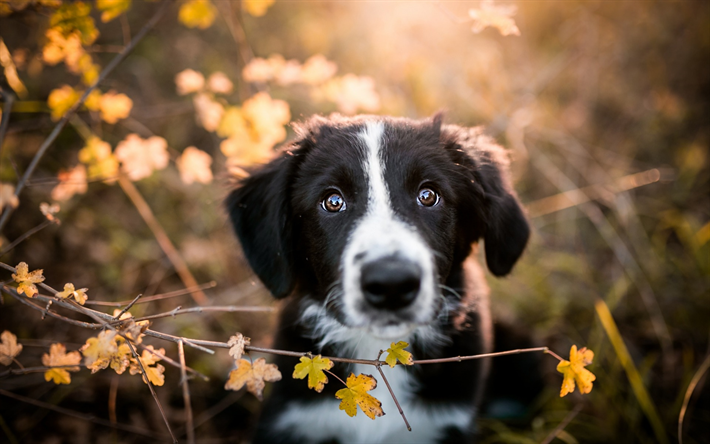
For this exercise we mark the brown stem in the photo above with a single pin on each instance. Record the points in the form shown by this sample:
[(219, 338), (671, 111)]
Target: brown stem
[(483, 355), (335, 376), (401, 412), (29, 233), (63, 121), (155, 297), (163, 240), (186, 396)]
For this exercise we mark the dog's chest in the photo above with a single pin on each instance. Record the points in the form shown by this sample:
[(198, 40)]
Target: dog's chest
[(323, 420)]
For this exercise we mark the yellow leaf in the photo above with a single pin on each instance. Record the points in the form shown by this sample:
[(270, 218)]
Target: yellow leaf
[(574, 371), (356, 395), (7, 196), (70, 183), (9, 348), (317, 69), (112, 8), (257, 8), (197, 14), (139, 157), (209, 111), (237, 344), (148, 359), (497, 16), (253, 376), (101, 162), (233, 122), (114, 107), (267, 117), (189, 81), (58, 356), (75, 16), (219, 83), (61, 99), (93, 101), (314, 369), (69, 290), (396, 353), (27, 280), (351, 93), (106, 349)]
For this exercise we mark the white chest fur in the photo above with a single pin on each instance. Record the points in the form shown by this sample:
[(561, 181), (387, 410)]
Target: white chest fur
[(324, 420)]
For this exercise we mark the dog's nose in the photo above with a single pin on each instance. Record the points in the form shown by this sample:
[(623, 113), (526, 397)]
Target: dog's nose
[(390, 283)]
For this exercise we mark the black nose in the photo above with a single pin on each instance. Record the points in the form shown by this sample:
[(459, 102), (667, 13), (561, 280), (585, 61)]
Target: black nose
[(390, 283)]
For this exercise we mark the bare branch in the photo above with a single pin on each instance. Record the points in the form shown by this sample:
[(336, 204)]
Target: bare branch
[(156, 297), (189, 423), (384, 378), (29, 233)]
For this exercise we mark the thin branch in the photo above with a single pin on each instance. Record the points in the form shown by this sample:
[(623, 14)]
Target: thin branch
[(128, 307), (174, 363), (83, 416), (62, 123), (401, 412), (9, 99), (483, 355), (29, 233), (224, 308), (156, 297), (163, 240), (28, 370), (189, 423), (561, 426), (689, 392)]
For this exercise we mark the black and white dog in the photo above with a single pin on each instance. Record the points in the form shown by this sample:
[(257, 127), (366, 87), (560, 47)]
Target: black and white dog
[(367, 224)]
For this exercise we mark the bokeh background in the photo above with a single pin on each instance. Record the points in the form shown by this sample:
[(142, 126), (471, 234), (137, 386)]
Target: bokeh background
[(604, 107)]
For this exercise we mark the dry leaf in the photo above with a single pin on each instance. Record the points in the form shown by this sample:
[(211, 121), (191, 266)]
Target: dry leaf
[(139, 157), (7, 196), (317, 378), (496, 16), (351, 93), (189, 81), (9, 348), (356, 395), (61, 99), (396, 353), (237, 344), (69, 291), (209, 111), (106, 349), (49, 211), (253, 376), (574, 371), (112, 8), (219, 83), (194, 166), (115, 107), (58, 356), (317, 69), (197, 14), (27, 280), (148, 359), (70, 183), (75, 17), (98, 157)]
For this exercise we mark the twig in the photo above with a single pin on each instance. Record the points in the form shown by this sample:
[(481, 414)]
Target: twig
[(83, 416), (163, 240), (224, 308), (156, 297), (335, 376), (483, 355), (29, 233), (128, 307), (28, 370), (63, 121), (9, 99), (384, 378), (561, 426), (174, 363), (689, 392), (152, 390), (186, 396)]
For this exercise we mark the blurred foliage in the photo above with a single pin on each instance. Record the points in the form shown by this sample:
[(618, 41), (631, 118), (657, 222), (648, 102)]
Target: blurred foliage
[(588, 93)]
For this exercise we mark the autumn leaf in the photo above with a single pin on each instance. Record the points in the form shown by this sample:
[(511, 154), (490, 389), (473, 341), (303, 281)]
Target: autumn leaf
[(71, 182), (496, 16), (61, 99), (314, 369), (107, 349), (27, 280), (219, 83), (9, 348), (236, 346), (396, 352), (97, 155), (267, 117), (209, 111), (574, 371), (69, 291), (75, 16), (197, 14), (350, 93), (257, 8), (253, 376), (317, 69), (114, 107), (112, 8), (139, 157), (49, 211), (356, 395), (7, 196), (189, 81), (58, 356), (153, 370)]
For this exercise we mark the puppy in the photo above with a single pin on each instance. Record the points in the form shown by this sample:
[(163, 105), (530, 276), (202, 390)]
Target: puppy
[(368, 226)]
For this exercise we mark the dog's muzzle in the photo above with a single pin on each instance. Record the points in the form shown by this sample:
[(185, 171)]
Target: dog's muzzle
[(390, 283)]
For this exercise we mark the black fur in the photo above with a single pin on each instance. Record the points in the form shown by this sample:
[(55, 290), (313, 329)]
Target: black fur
[(295, 247)]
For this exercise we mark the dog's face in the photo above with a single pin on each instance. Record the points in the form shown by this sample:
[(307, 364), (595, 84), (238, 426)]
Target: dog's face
[(371, 216)]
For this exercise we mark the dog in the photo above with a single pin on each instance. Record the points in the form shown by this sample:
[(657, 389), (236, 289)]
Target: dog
[(369, 227)]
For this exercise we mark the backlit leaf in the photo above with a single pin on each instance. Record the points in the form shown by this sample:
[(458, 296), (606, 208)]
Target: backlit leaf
[(496, 16), (71, 182), (396, 352), (313, 368), (9, 348), (114, 106), (112, 8), (140, 157), (69, 291), (197, 14), (574, 371), (253, 376), (257, 8), (58, 356), (75, 16), (356, 395), (27, 279), (237, 344)]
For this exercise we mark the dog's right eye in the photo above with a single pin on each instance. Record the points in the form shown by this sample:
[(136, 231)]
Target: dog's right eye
[(333, 203)]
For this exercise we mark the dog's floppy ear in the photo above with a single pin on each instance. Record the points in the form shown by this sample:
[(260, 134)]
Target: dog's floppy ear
[(260, 212), (493, 211)]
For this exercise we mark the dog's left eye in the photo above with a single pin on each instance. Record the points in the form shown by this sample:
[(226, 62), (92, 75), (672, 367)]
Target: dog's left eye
[(428, 197), (333, 203)]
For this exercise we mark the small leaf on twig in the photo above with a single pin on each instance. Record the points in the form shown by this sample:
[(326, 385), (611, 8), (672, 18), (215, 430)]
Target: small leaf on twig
[(237, 344), (27, 280), (253, 376), (106, 349), (9, 348), (356, 395), (314, 369), (58, 356), (574, 371), (69, 291), (396, 352), (155, 374)]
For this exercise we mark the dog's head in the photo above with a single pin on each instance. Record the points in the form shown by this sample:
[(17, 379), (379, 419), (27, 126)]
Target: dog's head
[(373, 215)]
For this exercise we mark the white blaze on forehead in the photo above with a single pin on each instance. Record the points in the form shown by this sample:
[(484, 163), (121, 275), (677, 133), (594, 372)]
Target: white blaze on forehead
[(378, 234)]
